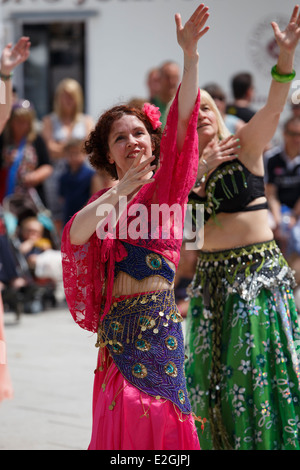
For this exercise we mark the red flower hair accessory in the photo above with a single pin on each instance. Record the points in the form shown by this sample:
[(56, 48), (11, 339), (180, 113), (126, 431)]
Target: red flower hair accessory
[(153, 114)]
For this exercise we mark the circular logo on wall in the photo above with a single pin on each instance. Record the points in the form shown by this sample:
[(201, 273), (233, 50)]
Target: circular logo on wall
[(262, 46)]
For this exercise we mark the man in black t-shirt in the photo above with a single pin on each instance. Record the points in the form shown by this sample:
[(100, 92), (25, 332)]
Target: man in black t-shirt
[(283, 192), (283, 171), (243, 91)]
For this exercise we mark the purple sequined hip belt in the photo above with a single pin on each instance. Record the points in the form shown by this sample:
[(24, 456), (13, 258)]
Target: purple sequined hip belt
[(144, 337)]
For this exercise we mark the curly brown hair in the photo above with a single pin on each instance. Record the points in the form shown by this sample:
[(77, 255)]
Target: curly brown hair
[(96, 146)]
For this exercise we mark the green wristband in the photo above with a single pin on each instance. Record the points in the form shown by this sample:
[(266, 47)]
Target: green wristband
[(282, 78), (4, 77)]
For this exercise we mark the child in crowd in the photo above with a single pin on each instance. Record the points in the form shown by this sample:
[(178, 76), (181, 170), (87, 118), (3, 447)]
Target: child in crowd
[(32, 239), (79, 181), (43, 261)]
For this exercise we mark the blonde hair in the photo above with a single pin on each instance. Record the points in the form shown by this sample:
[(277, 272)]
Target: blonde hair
[(72, 87), (223, 132), (25, 109)]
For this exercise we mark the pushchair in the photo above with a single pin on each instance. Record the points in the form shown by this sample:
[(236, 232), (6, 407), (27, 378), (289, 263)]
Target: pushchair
[(38, 291)]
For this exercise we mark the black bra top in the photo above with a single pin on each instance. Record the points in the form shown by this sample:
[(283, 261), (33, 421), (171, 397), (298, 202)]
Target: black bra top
[(230, 188)]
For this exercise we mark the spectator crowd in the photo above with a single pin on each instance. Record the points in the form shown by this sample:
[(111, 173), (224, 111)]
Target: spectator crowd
[(45, 173)]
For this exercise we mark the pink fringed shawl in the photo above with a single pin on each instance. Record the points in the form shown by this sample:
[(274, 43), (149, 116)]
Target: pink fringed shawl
[(88, 270)]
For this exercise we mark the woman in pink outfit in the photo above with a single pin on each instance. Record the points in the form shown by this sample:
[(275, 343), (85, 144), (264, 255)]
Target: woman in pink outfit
[(6, 390), (119, 282), (10, 58)]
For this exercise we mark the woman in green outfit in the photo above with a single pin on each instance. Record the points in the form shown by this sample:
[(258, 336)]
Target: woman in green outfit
[(242, 369)]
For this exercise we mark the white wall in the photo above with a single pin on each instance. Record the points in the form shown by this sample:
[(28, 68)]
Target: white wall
[(130, 37), (126, 38)]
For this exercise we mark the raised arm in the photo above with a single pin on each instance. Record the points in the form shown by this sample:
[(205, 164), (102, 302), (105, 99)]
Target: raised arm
[(89, 218), (10, 58), (264, 123), (188, 37)]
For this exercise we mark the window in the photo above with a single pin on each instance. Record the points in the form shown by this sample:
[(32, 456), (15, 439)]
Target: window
[(57, 52)]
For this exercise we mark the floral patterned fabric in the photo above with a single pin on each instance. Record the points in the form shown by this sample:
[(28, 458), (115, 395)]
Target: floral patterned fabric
[(243, 344)]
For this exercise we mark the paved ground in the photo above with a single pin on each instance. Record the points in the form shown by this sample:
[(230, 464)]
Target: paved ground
[(51, 362)]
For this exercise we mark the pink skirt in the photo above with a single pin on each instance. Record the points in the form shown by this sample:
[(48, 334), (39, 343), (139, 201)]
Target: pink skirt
[(6, 390), (125, 418)]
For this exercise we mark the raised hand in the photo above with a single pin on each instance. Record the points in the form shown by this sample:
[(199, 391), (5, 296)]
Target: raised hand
[(189, 34), (139, 174), (13, 56), (289, 38), (217, 152), (188, 37)]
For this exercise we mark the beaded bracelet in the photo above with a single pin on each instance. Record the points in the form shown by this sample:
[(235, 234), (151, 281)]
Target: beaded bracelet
[(282, 78), (5, 77), (207, 170), (205, 163)]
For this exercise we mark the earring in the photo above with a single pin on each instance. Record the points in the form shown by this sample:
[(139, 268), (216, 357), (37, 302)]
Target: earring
[(110, 160)]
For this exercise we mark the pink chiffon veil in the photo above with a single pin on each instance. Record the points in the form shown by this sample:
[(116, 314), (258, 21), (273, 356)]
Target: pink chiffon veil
[(88, 269), (6, 389)]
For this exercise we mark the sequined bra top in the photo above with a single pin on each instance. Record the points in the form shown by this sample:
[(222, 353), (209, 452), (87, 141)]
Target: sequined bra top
[(141, 263), (230, 188)]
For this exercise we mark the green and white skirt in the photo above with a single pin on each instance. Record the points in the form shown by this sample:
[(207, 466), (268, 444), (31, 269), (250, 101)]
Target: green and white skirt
[(242, 347)]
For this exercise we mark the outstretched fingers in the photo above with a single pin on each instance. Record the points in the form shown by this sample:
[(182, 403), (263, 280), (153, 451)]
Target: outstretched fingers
[(142, 175), (178, 21), (137, 161), (276, 28), (22, 46), (230, 142), (141, 169), (12, 56), (199, 19), (198, 13), (231, 146), (295, 18), (194, 28)]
